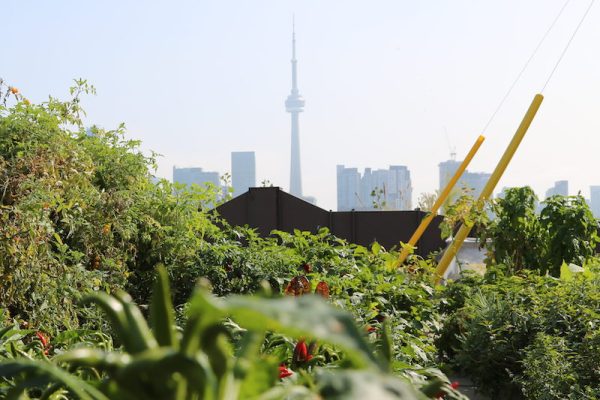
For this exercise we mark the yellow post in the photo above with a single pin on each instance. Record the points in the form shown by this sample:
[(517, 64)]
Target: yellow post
[(464, 230), (439, 202)]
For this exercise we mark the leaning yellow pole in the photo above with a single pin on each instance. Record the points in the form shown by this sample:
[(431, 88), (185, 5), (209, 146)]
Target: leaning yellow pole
[(439, 201), (464, 230)]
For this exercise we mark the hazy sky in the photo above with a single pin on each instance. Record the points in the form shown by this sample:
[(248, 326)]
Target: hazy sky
[(383, 82)]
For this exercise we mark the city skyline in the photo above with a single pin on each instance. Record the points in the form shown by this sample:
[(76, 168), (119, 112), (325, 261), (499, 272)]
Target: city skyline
[(385, 83), (379, 189)]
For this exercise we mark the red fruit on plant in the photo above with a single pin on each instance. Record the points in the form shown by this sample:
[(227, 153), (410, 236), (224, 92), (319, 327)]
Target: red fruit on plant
[(301, 353), (284, 372), (298, 286), (307, 268), (44, 340), (322, 290)]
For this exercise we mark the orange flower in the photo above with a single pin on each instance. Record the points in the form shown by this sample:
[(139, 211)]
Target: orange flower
[(106, 229), (14, 90)]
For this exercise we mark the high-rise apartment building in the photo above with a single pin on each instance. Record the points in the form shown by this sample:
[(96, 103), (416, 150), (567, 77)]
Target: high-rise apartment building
[(595, 200), (473, 181), (389, 189), (559, 188), (196, 176), (348, 188), (243, 171), (447, 170)]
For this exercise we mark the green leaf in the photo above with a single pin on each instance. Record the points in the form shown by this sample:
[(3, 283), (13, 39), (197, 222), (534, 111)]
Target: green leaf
[(162, 316), (115, 311), (201, 314), (565, 272), (308, 316), (140, 336), (376, 248), (33, 370), (95, 359)]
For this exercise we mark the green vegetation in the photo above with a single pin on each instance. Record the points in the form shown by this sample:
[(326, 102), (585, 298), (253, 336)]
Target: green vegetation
[(215, 311), (199, 362), (565, 231), (527, 333)]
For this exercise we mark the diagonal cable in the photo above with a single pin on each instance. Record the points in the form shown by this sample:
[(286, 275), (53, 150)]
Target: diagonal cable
[(587, 11), (512, 86)]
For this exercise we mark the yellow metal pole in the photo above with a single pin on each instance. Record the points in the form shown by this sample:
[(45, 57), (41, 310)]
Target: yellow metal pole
[(464, 230), (439, 201)]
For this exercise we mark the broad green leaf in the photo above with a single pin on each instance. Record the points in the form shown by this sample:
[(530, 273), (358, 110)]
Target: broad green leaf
[(303, 316), (140, 336), (34, 369), (565, 272), (162, 316)]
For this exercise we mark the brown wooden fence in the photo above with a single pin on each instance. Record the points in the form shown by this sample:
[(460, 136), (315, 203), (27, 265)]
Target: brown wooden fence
[(271, 208)]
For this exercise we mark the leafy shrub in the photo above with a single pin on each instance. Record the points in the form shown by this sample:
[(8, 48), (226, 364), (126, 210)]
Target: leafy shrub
[(565, 231), (503, 315), (548, 372), (78, 213), (518, 239), (572, 231)]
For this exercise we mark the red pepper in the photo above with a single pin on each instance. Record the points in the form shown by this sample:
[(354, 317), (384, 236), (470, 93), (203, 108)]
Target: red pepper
[(441, 395), (301, 353), (44, 340), (307, 268), (284, 372)]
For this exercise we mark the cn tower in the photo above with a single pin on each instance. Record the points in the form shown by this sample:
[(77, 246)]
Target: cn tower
[(294, 104)]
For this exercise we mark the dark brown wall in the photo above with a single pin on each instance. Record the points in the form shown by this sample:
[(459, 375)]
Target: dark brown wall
[(270, 208)]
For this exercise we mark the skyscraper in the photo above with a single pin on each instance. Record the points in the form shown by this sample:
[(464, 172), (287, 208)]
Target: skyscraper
[(390, 189), (474, 181), (195, 175), (243, 171), (595, 200), (447, 170), (294, 104), (559, 188), (348, 188)]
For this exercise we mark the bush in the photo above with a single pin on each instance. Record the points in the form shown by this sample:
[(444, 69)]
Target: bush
[(506, 322), (518, 239), (572, 231), (78, 213), (565, 231)]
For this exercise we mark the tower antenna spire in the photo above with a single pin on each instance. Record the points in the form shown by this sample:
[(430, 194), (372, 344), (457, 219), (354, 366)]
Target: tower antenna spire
[(294, 104)]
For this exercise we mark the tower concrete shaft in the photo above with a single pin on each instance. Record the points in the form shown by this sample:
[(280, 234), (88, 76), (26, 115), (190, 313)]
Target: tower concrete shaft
[(294, 104)]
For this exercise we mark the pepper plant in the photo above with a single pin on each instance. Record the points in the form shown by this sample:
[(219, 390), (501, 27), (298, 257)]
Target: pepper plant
[(159, 361)]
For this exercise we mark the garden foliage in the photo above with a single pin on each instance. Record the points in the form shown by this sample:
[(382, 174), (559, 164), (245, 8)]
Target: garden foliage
[(527, 335), (518, 237), (81, 214), (82, 220)]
